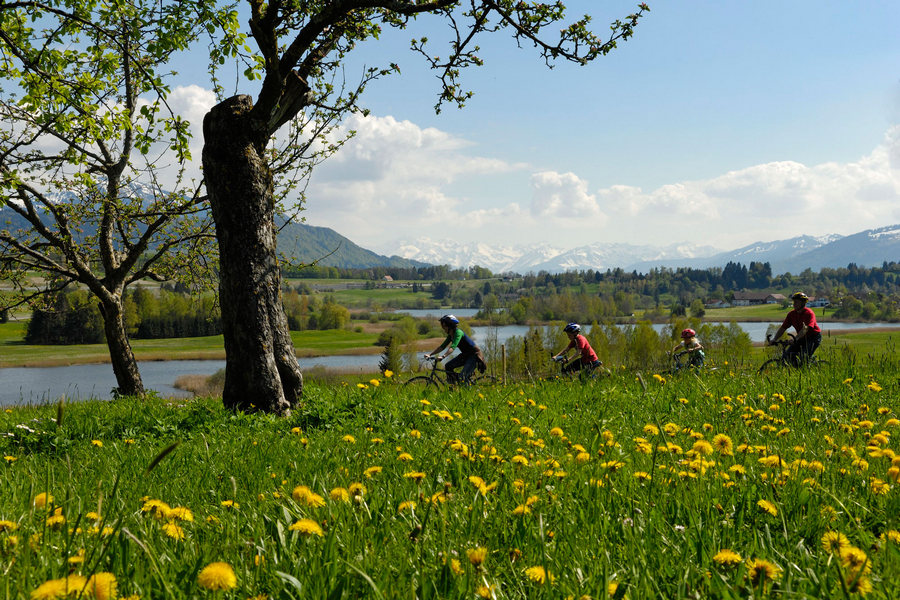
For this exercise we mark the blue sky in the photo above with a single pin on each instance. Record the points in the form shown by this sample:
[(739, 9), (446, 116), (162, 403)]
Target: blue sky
[(718, 123)]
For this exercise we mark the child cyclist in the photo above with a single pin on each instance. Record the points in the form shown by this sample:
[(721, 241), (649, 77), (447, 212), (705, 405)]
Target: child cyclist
[(470, 356), (587, 359), (692, 347)]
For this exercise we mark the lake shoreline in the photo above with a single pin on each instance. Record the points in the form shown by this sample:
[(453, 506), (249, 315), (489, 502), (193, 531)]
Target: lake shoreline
[(423, 345)]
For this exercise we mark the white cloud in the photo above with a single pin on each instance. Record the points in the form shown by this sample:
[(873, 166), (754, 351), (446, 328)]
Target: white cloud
[(562, 196), (392, 178), (769, 201)]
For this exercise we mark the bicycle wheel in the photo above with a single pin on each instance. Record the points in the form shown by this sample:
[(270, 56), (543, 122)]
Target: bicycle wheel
[(770, 365), (422, 382), (485, 380)]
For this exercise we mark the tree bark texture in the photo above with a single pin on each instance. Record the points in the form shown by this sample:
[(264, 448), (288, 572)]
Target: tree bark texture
[(124, 364), (261, 369)]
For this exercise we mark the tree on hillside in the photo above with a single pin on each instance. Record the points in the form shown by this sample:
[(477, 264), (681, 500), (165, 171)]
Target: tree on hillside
[(300, 50), (86, 135)]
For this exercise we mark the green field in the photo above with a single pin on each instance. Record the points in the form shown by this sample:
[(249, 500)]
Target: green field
[(726, 485)]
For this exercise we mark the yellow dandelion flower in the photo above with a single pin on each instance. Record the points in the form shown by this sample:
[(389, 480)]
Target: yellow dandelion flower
[(703, 447), (761, 571), (404, 457), (217, 576), (415, 433), (339, 494), (406, 505), (858, 584), (582, 457), (834, 541), (10, 459), (651, 429), (97, 443), (229, 504), (372, 471), (349, 439), (374, 382), (43, 499), (56, 520), (539, 575), (416, 476), (307, 527), (855, 560), (557, 432), (303, 495), (727, 558), (180, 513), (768, 507), (173, 531), (388, 373), (485, 591), (357, 489), (526, 431), (891, 535), (874, 387), (7, 526), (362, 386), (476, 556), (59, 588), (521, 509), (520, 460), (101, 586)]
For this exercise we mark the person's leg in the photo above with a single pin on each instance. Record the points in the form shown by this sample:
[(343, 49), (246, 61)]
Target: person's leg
[(451, 366), (573, 366), (697, 359), (811, 343), (471, 362), (795, 353)]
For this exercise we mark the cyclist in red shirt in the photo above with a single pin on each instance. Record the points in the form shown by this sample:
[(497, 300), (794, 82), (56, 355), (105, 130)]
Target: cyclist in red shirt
[(809, 335), (588, 358)]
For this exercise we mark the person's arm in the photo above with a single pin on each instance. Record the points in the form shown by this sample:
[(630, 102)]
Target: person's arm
[(439, 348), (454, 342), (778, 333), (565, 351)]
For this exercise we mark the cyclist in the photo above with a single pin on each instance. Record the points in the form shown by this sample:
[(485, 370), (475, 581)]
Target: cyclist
[(470, 356), (809, 335), (692, 346), (588, 358)]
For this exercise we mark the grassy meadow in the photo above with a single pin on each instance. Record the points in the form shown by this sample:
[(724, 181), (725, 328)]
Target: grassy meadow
[(722, 485)]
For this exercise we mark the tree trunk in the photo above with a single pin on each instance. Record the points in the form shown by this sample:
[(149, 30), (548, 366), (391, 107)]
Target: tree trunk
[(261, 369), (124, 364)]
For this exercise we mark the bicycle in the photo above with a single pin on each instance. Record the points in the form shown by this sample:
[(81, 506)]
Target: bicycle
[(438, 378), (784, 360), (584, 373)]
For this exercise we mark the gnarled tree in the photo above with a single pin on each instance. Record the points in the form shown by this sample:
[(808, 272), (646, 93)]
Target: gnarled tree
[(300, 46)]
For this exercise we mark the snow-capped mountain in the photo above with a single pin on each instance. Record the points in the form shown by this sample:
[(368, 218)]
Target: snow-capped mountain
[(497, 258), (866, 248), (543, 257)]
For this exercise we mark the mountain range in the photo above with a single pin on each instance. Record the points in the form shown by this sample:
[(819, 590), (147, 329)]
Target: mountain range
[(307, 243), (867, 248)]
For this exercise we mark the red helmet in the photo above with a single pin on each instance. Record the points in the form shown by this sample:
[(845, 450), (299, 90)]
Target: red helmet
[(688, 333)]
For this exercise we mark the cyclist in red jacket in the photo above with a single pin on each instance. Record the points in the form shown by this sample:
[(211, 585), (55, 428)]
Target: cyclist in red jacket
[(588, 358), (809, 335)]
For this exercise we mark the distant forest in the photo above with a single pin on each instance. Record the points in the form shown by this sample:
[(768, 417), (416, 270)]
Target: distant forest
[(860, 293)]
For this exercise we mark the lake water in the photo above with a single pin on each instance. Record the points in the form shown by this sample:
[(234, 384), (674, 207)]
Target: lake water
[(36, 385)]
